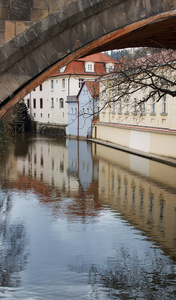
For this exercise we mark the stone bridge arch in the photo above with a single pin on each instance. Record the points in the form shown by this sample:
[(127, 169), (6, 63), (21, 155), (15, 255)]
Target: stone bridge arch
[(79, 28)]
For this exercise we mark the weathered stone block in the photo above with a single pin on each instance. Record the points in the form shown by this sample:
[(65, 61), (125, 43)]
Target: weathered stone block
[(5, 3), (9, 30), (50, 55), (39, 59), (2, 38), (55, 5), (19, 74), (70, 39), (2, 26), (9, 82), (38, 14), (4, 92), (23, 44), (12, 53), (19, 14), (62, 21), (50, 23), (23, 4), (92, 29), (73, 14), (81, 31), (3, 13), (59, 45), (19, 28), (29, 67), (40, 4)]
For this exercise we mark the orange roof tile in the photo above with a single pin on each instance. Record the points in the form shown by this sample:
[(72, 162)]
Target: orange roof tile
[(93, 87), (99, 57), (77, 67)]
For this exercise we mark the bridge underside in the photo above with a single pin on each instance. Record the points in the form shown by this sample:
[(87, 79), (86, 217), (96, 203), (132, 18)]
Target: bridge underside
[(30, 58)]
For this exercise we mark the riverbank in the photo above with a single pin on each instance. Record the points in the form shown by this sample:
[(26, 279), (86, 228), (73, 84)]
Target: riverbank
[(158, 158)]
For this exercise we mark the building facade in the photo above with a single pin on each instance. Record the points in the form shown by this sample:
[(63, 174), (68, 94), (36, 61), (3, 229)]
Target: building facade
[(149, 127), (48, 104), (83, 109)]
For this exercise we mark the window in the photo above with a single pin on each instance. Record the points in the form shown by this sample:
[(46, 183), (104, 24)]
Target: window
[(119, 106), (52, 102), (40, 87), (41, 102), (142, 107), (135, 106), (41, 115), (34, 103), (48, 116), (113, 107), (28, 103), (103, 107), (109, 67), (75, 110), (52, 84), (62, 70), (127, 106), (164, 108), (72, 110), (34, 114), (41, 160), (63, 83), (81, 81), (152, 110), (61, 102), (89, 66)]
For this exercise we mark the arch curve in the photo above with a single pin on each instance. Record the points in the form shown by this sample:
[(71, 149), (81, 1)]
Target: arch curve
[(76, 30)]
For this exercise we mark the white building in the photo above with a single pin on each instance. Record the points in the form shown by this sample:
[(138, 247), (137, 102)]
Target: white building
[(48, 102)]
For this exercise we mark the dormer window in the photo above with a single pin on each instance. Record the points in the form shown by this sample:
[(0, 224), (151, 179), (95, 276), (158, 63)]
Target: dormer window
[(62, 70), (89, 66), (109, 67)]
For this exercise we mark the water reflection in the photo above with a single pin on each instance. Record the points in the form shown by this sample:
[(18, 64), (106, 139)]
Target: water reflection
[(146, 197), (99, 223), (13, 244)]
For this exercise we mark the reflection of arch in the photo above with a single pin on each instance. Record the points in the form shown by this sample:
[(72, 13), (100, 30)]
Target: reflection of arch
[(75, 31)]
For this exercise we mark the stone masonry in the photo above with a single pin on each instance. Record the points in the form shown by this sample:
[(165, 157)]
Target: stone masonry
[(38, 37)]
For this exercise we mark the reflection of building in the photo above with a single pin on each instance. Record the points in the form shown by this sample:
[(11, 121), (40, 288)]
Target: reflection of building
[(41, 163), (80, 164), (52, 169), (83, 109), (141, 191)]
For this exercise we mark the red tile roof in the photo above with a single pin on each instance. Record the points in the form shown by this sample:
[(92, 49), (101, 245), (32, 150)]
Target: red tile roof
[(99, 57), (93, 87), (77, 67)]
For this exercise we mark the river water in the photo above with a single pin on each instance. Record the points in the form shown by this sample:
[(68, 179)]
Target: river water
[(83, 221)]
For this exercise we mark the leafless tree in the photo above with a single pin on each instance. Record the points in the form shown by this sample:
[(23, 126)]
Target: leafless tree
[(150, 74)]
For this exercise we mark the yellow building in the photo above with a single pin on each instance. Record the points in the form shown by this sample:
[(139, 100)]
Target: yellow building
[(149, 127)]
